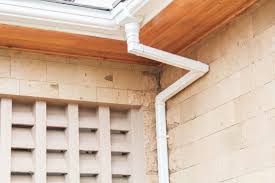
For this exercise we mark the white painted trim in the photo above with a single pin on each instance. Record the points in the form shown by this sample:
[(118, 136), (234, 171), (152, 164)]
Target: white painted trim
[(78, 20), (72, 133), (59, 18), (5, 139), (52, 7), (74, 28), (101, 4), (40, 135), (126, 12), (105, 149)]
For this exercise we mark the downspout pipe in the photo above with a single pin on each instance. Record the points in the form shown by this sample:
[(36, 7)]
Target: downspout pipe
[(196, 70)]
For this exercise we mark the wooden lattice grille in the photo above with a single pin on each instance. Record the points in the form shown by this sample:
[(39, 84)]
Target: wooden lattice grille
[(51, 143)]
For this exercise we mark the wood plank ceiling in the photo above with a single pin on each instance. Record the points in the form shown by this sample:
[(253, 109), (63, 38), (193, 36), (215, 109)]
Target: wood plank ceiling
[(181, 24)]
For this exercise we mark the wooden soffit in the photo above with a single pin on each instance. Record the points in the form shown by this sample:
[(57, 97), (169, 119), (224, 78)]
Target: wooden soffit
[(179, 25)]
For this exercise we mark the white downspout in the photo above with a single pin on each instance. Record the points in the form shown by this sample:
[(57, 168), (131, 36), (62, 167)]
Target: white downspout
[(196, 70)]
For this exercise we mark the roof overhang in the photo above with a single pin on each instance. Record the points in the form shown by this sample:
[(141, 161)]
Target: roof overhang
[(40, 26), (77, 19)]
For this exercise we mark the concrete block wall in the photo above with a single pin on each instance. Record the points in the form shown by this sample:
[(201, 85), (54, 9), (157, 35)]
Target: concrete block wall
[(32, 76), (221, 129), (68, 78)]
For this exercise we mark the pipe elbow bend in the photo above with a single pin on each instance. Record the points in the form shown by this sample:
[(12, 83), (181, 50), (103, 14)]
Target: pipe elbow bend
[(135, 48), (205, 68), (131, 47), (159, 101)]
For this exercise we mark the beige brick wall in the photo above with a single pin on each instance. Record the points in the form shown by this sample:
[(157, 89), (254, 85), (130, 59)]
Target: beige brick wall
[(47, 76), (222, 128)]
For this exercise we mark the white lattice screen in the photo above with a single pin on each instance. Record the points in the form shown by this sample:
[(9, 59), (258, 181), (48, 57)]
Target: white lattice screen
[(51, 143)]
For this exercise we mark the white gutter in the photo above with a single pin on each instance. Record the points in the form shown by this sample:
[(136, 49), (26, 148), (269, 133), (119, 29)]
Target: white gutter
[(196, 70), (78, 20)]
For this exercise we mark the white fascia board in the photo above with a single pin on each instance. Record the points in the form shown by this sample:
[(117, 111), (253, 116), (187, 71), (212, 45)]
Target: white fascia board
[(141, 10), (61, 27), (50, 6), (79, 20), (102, 4), (46, 15), (126, 12)]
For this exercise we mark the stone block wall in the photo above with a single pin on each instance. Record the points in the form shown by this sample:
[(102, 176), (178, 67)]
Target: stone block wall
[(221, 128), (25, 74)]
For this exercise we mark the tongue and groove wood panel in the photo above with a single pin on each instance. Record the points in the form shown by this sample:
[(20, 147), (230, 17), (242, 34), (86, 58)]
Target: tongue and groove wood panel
[(180, 25), (184, 22), (55, 143)]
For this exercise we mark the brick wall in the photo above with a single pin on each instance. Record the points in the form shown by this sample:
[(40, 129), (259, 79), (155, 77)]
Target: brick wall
[(50, 77), (222, 128)]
